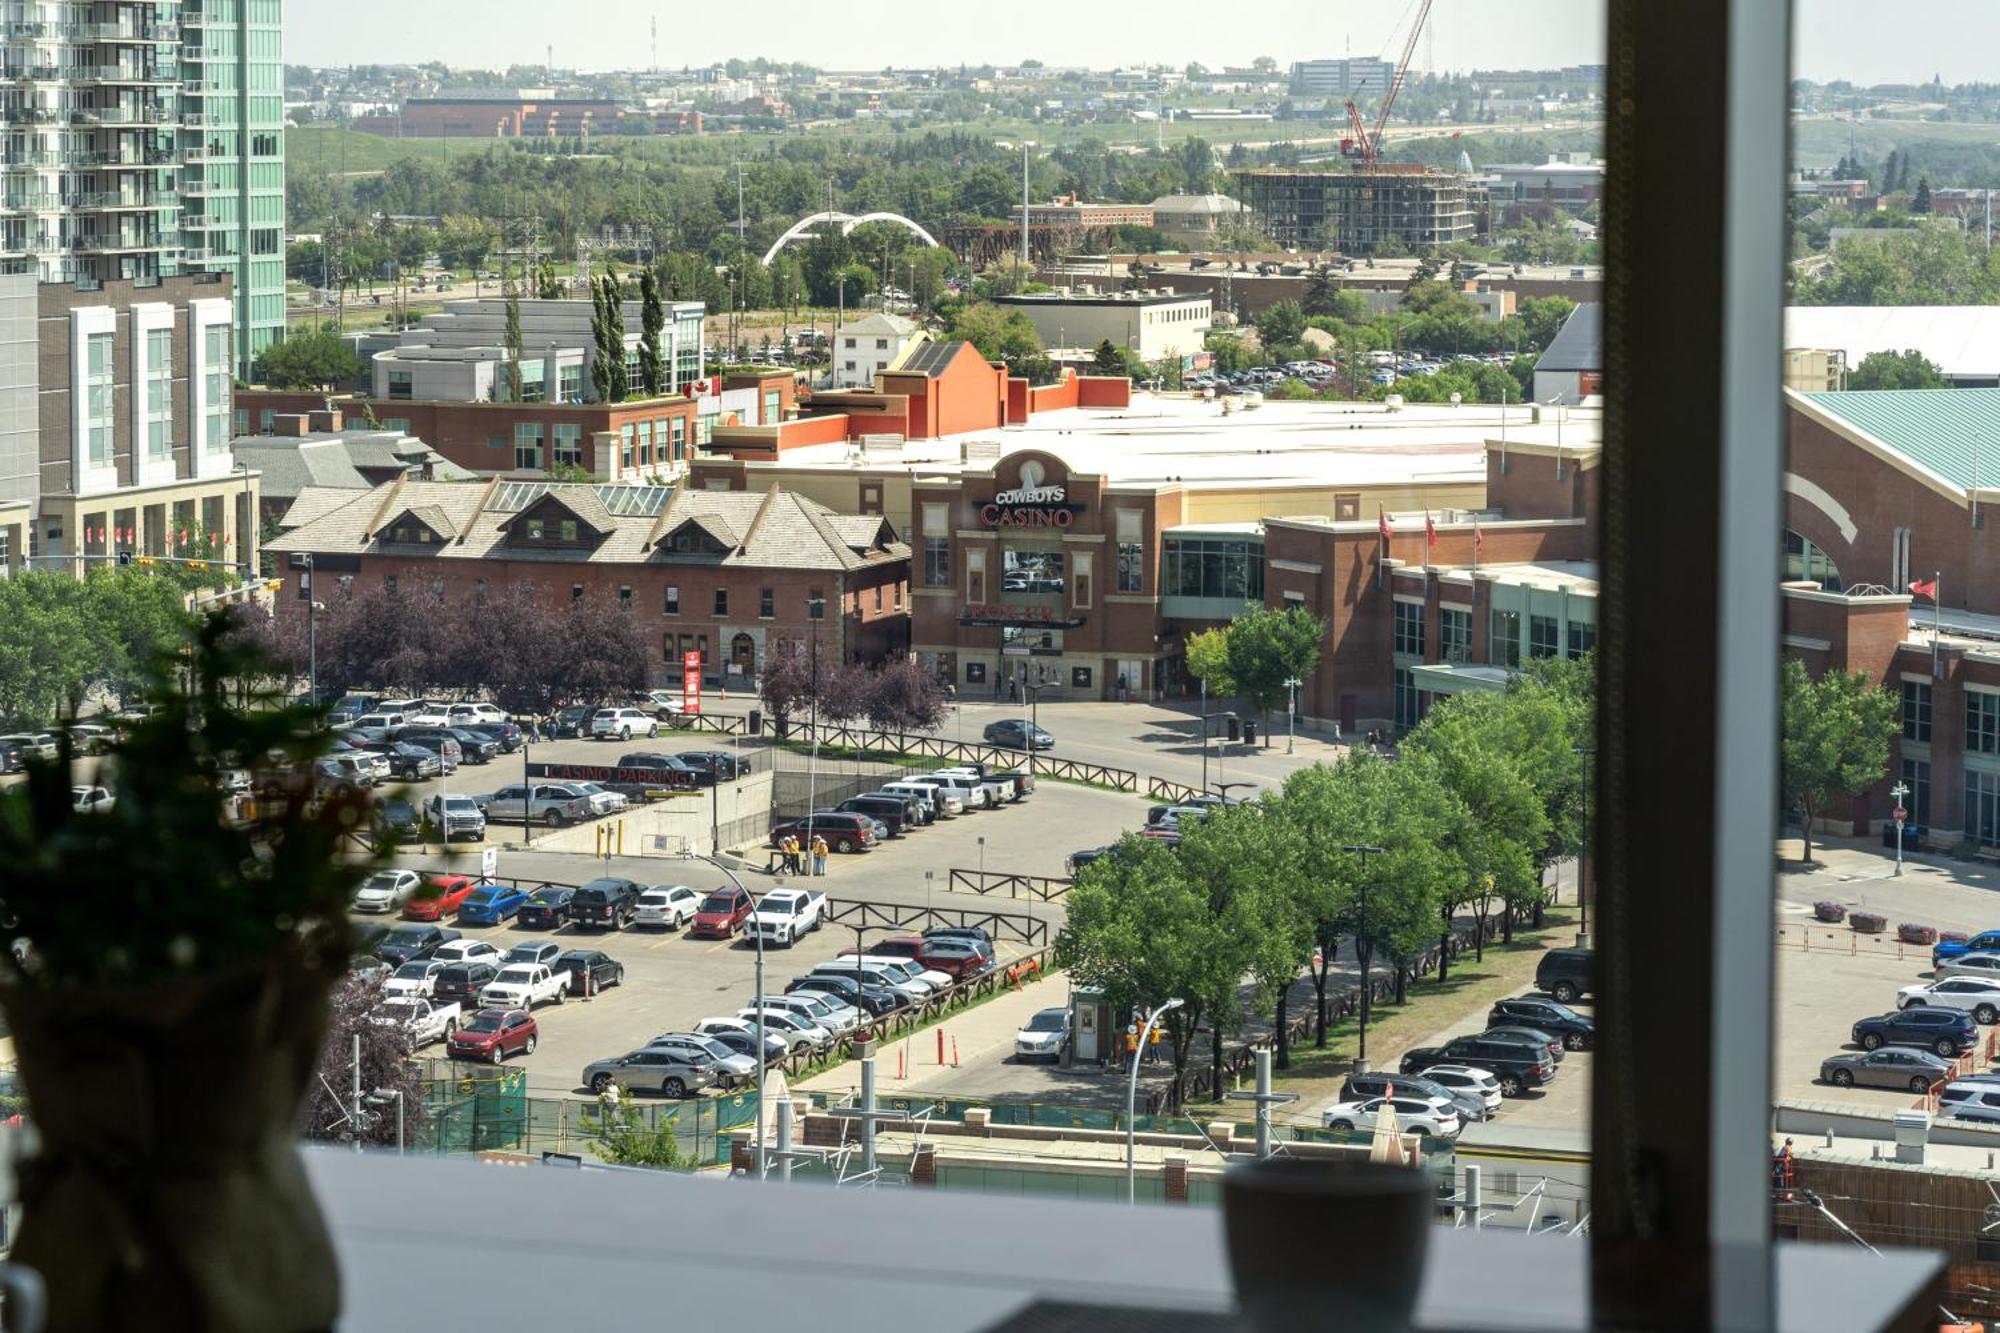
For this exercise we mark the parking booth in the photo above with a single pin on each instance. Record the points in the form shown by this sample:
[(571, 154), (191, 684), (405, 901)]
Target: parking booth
[(1091, 1033)]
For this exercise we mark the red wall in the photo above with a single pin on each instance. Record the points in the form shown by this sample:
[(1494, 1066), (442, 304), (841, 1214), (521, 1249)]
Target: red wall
[(1103, 391)]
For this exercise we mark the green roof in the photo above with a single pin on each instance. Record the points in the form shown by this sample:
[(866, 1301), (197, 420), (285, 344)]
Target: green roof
[(1934, 428)]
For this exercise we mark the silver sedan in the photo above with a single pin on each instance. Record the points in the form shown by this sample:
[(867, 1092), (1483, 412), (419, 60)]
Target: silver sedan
[(1889, 1067)]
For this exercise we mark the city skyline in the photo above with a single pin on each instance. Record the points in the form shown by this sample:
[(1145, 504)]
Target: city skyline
[(1835, 39)]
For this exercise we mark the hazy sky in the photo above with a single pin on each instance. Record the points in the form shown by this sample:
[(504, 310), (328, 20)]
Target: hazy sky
[(1853, 39)]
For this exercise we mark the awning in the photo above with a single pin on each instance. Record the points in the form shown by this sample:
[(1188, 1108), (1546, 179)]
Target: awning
[(1459, 677)]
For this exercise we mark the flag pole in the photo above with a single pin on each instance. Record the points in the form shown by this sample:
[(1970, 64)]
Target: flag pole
[(1937, 621)]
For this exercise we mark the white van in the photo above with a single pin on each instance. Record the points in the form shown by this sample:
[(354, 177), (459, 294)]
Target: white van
[(908, 968), (998, 790), (942, 803), (389, 722), (873, 974), (969, 789)]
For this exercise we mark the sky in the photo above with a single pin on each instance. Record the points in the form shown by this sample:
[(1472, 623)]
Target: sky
[(1851, 39)]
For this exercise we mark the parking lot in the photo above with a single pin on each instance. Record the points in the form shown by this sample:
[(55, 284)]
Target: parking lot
[(673, 981)]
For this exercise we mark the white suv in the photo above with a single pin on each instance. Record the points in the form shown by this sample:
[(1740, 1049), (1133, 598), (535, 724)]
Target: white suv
[(668, 905), (477, 715), (1414, 1113), (622, 724), (1980, 996)]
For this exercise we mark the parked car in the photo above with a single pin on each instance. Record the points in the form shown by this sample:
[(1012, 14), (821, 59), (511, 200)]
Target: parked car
[(673, 1073), (418, 1021), (1435, 1116), (1044, 1036), (1518, 1065), (872, 1000), (544, 952), (1575, 1031), (468, 951), (940, 804), (1986, 941), (404, 763), (721, 765), (801, 1032), (506, 736), (491, 904), (843, 832), (443, 895), (572, 723), (1983, 965), (916, 813), (1390, 1083), (603, 801), (889, 812), (92, 800), (1967, 1099), (33, 744), (590, 970), (908, 969), (406, 943), (461, 983), (661, 704), (741, 1040), (413, 763), (608, 903), (456, 816), (669, 906), (525, 985), (1018, 733), (418, 978), (622, 724), (1529, 1036), (547, 907), (671, 769), (1889, 1067), (1946, 1031), (13, 756), (540, 803), (463, 714), (493, 1035), (977, 934), (786, 916), (386, 891), (1565, 974), (880, 975), (1978, 996), (1476, 1091), (837, 1016), (957, 958), (733, 1068), (722, 912)]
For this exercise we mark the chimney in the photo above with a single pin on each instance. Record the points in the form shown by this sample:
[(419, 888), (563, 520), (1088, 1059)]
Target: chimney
[(1912, 1132), (290, 424), (328, 421)]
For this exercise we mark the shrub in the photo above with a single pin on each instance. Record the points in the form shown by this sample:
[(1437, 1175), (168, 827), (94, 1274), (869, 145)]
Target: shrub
[(1829, 911), (1868, 923)]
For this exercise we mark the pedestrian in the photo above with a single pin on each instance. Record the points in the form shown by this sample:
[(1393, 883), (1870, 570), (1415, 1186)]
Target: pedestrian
[(819, 851), (1121, 687), (788, 854), (1131, 1039), (1153, 1044)]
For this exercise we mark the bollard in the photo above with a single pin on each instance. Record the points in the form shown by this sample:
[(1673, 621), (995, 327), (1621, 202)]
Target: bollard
[(954, 1050), (940, 1045)]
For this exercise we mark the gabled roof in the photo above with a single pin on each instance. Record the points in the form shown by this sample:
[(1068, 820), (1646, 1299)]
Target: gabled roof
[(1945, 431), (931, 359), (712, 525), (430, 515), (1580, 344), (881, 326), (580, 502)]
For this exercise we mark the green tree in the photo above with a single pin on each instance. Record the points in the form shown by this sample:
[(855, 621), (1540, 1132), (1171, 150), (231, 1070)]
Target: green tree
[(625, 1139), (1908, 369), (464, 242), (614, 339), (1208, 660), (1144, 931), (1281, 325), (512, 336), (1837, 731), (1239, 855), (1107, 360), (999, 335), (319, 359), (1543, 317), (1269, 647), (1921, 203), (652, 322), (601, 354)]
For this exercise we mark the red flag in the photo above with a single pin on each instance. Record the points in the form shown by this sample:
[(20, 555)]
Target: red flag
[(1430, 530), (1382, 522), (1924, 588), (1478, 538)]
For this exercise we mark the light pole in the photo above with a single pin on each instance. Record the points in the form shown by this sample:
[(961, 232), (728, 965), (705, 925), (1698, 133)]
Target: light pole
[(1132, 1099), (527, 792), (1899, 791), (757, 937), (303, 562), (1034, 723), (815, 610), (1291, 712), (1204, 733), (1364, 851), (1585, 753)]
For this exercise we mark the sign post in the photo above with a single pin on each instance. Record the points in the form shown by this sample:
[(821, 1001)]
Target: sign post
[(489, 864), (691, 682), (1901, 813)]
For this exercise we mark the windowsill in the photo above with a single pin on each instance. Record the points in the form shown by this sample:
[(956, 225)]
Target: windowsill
[(627, 1236)]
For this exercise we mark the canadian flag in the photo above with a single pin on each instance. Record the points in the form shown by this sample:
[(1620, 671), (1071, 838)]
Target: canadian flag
[(1430, 529), (1924, 588), (1478, 538), (1382, 524)]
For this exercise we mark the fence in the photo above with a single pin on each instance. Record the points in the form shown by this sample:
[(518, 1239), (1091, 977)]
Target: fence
[(723, 724), (470, 1112), (797, 791), (1174, 793), (1015, 886), (1824, 937), (861, 915), (959, 752)]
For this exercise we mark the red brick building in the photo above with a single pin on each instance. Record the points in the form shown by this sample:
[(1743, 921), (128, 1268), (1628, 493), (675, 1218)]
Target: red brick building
[(727, 574)]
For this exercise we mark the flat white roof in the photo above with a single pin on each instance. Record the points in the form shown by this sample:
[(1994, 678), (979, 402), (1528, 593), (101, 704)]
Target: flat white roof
[(1168, 439), (1577, 576), (1961, 340)]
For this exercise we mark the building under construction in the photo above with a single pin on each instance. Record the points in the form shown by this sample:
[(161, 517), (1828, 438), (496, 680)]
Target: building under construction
[(1356, 211)]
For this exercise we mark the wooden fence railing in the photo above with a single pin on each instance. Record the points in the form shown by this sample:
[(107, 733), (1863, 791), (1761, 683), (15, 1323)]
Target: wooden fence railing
[(854, 914), (1044, 887)]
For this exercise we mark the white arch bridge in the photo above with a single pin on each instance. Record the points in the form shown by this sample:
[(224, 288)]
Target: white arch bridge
[(847, 222)]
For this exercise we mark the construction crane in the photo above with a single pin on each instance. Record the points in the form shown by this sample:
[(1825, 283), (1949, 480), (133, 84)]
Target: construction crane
[(1366, 143)]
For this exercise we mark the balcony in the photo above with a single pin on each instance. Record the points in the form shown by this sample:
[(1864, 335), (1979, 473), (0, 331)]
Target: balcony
[(31, 203), (118, 201), (120, 243), (29, 115), (135, 116)]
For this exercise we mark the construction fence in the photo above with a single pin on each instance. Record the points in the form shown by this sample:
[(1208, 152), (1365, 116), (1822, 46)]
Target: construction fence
[(466, 1109)]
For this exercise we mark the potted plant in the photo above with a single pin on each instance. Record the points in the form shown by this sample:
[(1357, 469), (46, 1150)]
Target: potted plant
[(1952, 937), (1829, 911), (1911, 933), (1868, 923), (165, 974)]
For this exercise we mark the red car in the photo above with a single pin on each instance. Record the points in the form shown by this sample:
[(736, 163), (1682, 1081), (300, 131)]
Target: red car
[(722, 913), (451, 891), (493, 1035)]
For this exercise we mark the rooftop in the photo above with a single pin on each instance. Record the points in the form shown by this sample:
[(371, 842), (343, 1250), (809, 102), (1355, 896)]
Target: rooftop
[(1580, 344), (1963, 341), (292, 463), (1940, 430)]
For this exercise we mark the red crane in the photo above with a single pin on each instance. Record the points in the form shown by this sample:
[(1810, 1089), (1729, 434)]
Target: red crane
[(1366, 143)]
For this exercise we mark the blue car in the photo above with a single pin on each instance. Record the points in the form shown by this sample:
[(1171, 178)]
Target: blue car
[(1985, 941), (1946, 1031), (491, 905)]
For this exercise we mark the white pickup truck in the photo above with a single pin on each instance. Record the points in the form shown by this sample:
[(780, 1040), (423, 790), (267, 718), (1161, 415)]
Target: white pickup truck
[(785, 916), (523, 986), (420, 1021)]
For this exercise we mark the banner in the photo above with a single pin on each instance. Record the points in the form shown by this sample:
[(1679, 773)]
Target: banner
[(691, 681)]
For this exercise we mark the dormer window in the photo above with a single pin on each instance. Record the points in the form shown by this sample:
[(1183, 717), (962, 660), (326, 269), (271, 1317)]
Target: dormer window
[(532, 530), (411, 534)]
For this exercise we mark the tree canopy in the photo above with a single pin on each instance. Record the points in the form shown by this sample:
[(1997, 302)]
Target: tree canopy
[(1837, 731), (317, 359), (1907, 369)]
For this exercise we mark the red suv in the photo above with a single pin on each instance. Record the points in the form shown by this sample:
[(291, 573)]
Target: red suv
[(451, 891), (721, 914), (843, 831), (493, 1035)]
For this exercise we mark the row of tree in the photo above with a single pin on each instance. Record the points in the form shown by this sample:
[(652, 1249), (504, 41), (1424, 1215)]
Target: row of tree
[(1375, 855), (894, 695), (1258, 655)]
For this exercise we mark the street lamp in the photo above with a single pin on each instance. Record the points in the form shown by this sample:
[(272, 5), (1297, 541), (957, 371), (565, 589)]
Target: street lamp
[(1291, 712), (303, 562), (1132, 1099), (1034, 723), (757, 937), (1364, 851), (815, 611), (1585, 753), (1899, 791)]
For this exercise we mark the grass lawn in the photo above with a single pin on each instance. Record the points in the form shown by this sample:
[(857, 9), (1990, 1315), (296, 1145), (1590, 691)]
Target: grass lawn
[(1471, 987)]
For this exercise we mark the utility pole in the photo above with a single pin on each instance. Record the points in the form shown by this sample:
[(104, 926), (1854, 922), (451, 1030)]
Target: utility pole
[(1265, 1099), (354, 1104), (1024, 212)]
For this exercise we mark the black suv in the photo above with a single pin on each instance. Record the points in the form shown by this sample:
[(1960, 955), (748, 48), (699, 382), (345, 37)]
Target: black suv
[(607, 904), (602, 969), (1565, 974), (1550, 1016), (674, 770), (1517, 1064), (1946, 1031), (891, 810), (721, 764), (461, 983), (870, 999)]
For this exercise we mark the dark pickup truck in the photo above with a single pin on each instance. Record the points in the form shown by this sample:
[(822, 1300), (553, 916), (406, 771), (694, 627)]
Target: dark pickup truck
[(1518, 1065)]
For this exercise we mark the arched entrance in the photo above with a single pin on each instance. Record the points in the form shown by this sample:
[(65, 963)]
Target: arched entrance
[(743, 655)]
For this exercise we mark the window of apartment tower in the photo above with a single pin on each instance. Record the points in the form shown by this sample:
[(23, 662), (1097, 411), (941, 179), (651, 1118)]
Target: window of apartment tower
[(1504, 647), (97, 398), (673, 605), (159, 393), (1916, 710), (722, 601), (1454, 635), (1542, 636), (528, 446), (937, 546), (566, 445), (1409, 636), (1131, 551), (766, 604), (399, 384)]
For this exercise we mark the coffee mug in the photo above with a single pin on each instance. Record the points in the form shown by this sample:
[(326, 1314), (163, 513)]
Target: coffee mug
[(1317, 1243)]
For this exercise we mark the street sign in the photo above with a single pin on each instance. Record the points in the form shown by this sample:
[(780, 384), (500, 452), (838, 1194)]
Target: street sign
[(1900, 814), (691, 681), (1319, 960), (489, 864)]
